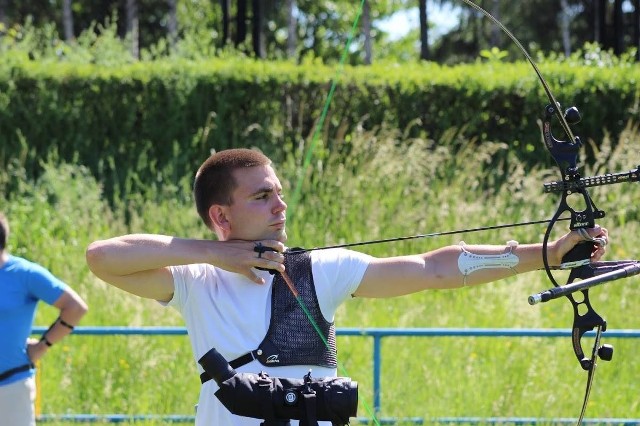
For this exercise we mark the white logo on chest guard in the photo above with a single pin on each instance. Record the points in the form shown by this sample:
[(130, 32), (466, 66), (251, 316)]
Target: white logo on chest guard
[(272, 359)]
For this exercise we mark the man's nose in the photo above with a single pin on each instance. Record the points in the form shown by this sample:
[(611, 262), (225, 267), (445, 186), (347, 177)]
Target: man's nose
[(280, 204)]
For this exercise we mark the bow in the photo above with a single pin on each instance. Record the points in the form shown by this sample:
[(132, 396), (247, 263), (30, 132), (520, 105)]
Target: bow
[(589, 274), (565, 154), (584, 274)]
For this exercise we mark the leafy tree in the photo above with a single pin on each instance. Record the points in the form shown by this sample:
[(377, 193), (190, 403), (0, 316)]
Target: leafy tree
[(300, 29)]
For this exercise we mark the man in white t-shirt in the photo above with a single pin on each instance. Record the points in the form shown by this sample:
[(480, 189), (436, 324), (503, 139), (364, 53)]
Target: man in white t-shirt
[(231, 305)]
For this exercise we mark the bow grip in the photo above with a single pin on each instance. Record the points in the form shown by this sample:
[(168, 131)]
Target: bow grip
[(579, 255)]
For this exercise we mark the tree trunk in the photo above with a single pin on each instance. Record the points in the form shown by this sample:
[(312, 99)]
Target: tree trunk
[(241, 22), (67, 20), (496, 32), (257, 34), (601, 22), (595, 5), (3, 14), (424, 30), (565, 20), (366, 27), (292, 40), (475, 22), (133, 27), (636, 27), (172, 27), (618, 27), (225, 6), (292, 29)]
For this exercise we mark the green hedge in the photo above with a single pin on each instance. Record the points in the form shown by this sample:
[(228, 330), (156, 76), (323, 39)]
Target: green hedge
[(150, 124)]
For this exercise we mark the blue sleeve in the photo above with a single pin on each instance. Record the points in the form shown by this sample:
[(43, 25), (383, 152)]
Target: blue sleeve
[(44, 285)]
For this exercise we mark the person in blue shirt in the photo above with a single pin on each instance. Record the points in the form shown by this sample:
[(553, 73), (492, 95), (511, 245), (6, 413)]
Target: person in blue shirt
[(22, 285)]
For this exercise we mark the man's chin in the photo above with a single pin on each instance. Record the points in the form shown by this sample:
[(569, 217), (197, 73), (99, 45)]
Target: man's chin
[(282, 236), (278, 235)]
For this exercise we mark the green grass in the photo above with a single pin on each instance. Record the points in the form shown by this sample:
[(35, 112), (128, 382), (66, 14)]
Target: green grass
[(378, 186)]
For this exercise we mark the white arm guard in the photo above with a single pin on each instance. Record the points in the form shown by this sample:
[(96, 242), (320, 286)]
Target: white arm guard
[(469, 262)]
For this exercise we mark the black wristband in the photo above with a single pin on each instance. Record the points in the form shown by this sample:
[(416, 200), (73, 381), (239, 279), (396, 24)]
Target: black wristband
[(46, 342), (66, 324)]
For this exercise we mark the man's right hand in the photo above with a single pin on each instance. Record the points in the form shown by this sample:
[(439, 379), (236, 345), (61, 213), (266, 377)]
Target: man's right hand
[(242, 257)]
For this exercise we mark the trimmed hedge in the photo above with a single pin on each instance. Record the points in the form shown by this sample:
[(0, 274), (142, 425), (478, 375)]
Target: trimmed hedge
[(153, 123)]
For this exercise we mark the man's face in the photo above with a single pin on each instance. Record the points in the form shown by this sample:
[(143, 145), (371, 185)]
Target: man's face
[(257, 211)]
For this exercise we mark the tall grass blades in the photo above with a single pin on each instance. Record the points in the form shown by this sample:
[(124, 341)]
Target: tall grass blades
[(376, 183)]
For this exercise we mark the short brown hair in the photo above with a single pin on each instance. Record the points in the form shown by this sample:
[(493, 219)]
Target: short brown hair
[(4, 231), (214, 182)]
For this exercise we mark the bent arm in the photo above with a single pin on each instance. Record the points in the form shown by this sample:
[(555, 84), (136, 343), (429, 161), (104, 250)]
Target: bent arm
[(72, 308), (139, 263)]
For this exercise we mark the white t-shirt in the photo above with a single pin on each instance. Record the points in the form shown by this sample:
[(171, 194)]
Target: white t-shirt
[(227, 311)]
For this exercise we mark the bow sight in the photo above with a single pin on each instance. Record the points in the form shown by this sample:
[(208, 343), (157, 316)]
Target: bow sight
[(565, 154)]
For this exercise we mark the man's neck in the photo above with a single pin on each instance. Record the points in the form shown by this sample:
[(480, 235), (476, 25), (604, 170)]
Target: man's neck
[(4, 256)]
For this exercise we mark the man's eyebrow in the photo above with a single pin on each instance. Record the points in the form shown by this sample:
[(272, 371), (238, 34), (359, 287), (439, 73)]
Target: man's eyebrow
[(262, 190), (266, 189)]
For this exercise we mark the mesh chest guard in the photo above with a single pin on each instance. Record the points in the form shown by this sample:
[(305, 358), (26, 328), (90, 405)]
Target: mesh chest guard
[(291, 338)]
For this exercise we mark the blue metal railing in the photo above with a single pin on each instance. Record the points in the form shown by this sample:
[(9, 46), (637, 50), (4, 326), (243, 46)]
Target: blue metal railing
[(377, 334)]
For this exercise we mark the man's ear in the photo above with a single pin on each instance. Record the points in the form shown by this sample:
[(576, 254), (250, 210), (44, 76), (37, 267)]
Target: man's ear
[(218, 216)]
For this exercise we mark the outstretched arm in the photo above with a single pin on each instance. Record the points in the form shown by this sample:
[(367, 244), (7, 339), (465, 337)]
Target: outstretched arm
[(439, 269)]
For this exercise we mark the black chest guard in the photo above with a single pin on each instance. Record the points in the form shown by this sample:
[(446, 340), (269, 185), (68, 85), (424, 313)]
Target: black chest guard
[(292, 339)]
